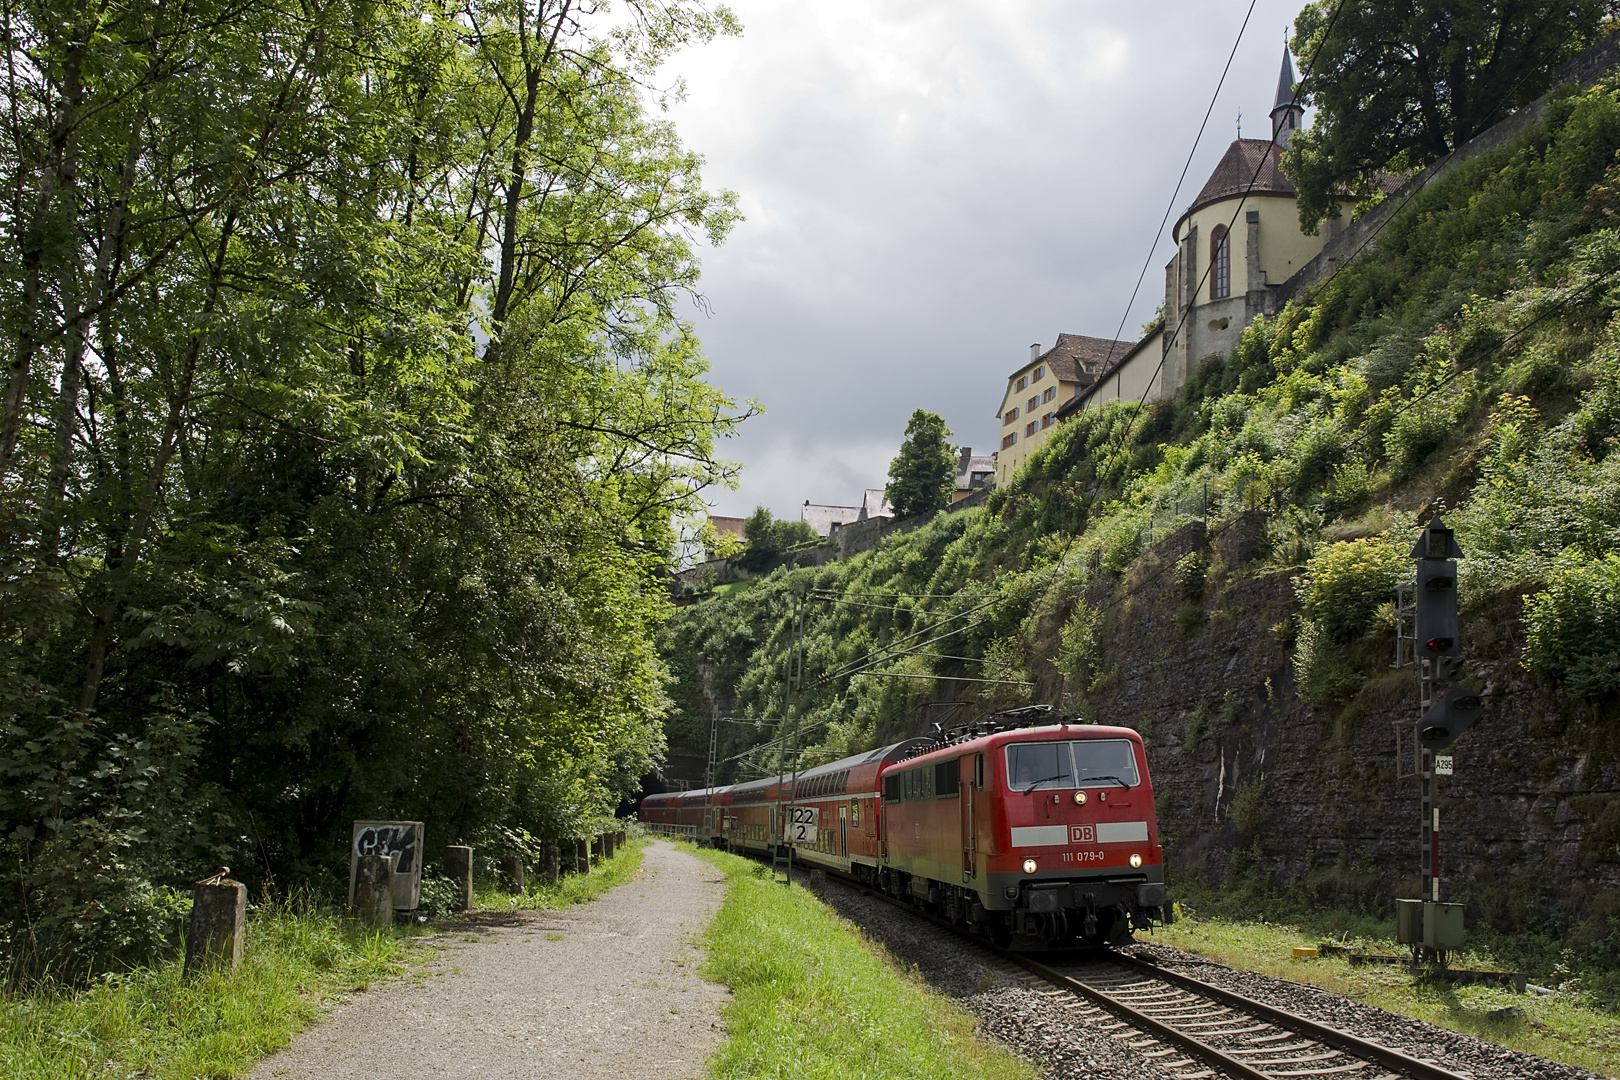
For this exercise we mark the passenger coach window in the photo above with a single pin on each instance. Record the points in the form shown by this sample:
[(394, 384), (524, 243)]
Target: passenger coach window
[(1035, 766)]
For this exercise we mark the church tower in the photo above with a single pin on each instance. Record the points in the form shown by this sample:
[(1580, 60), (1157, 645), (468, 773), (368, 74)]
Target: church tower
[(1286, 115)]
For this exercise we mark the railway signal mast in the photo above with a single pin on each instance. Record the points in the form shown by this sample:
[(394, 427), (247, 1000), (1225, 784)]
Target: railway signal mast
[(1447, 708)]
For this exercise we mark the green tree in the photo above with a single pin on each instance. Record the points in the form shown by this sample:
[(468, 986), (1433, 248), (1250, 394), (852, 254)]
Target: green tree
[(923, 474), (768, 536), (1398, 86), (346, 424)]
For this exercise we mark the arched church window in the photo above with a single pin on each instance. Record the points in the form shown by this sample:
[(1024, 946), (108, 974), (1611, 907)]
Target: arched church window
[(1220, 263)]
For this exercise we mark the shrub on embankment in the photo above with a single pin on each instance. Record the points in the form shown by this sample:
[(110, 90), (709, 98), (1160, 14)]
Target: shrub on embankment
[(1215, 570)]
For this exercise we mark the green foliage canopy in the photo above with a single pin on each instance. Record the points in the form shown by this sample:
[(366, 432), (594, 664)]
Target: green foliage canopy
[(923, 474), (346, 427), (1396, 87), (768, 537)]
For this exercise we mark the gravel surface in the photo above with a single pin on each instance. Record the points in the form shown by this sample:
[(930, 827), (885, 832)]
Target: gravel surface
[(1453, 1050), (606, 990), (1070, 1039)]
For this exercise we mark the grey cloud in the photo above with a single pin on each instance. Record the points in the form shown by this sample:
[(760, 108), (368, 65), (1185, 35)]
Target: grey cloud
[(894, 264)]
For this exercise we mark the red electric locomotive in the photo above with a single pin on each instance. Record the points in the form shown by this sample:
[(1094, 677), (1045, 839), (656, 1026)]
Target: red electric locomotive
[(1031, 831)]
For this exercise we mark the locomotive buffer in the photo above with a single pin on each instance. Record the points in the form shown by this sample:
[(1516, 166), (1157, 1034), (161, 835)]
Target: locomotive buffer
[(1447, 708)]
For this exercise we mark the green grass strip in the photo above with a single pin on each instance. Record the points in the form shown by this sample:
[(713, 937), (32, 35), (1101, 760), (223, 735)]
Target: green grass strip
[(1567, 1026), (153, 1024), (570, 889), (813, 998)]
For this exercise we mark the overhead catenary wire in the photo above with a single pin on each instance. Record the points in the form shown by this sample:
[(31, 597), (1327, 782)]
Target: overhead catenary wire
[(1170, 208), (885, 654), (877, 656), (1185, 311)]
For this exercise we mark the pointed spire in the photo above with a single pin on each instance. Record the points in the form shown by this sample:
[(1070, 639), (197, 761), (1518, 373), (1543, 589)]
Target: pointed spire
[(1285, 81), (1287, 114)]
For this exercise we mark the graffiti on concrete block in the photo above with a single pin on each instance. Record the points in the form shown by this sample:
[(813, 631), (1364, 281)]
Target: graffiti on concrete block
[(395, 839), (400, 841)]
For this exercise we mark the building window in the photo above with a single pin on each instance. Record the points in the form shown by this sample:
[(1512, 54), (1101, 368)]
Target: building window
[(1023, 381), (1008, 439), (1051, 392), (1033, 403), (1046, 421), (1220, 263), (1040, 373), (1012, 414), (1031, 428)]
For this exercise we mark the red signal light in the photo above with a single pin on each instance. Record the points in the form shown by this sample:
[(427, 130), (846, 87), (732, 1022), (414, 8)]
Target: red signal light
[(1439, 643)]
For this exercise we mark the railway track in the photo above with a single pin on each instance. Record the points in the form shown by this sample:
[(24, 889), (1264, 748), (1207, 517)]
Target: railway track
[(1192, 1029), (1223, 1032)]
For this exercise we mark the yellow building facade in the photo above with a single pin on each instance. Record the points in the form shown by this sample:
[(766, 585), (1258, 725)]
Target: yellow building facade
[(1036, 391)]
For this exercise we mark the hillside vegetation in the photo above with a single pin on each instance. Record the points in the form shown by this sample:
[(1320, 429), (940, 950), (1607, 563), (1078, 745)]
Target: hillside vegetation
[(1467, 363)]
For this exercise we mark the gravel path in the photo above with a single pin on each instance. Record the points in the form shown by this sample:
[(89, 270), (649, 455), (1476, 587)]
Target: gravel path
[(1046, 1025), (606, 990)]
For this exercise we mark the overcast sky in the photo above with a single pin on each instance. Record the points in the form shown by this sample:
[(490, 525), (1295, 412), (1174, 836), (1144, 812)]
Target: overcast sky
[(929, 187)]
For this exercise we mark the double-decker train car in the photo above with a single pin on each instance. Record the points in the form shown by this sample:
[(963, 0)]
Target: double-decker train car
[(1040, 833)]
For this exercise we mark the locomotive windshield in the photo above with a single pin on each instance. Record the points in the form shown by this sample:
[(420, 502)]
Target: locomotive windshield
[(1037, 766)]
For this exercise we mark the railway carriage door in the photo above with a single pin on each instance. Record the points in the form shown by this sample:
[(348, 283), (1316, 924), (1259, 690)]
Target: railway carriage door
[(843, 832), (974, 767)]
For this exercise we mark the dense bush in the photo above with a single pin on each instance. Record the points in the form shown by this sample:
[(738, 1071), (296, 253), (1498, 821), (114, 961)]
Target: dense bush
[(1343, 587), (1573, 625)]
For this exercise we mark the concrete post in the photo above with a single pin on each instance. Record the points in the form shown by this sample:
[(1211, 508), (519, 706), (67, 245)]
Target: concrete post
[(374, 890), (596, 846), (582, 856), (458, 868), (512, 868), (218, 923), (607, 844), (550, 866)]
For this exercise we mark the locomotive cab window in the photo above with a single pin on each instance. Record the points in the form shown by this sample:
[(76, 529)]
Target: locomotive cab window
[(1039, 766)]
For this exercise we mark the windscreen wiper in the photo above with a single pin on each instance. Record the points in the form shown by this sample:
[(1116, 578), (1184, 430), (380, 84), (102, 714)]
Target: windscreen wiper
[(1044, 779), (1115, 779)]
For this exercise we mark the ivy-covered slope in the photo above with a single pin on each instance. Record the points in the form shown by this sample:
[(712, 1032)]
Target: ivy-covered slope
[(1467, 363)]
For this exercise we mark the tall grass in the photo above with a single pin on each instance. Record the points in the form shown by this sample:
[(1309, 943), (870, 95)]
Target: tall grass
[(151, 1022), (1569, 1026), (570, 889), (812, 999)]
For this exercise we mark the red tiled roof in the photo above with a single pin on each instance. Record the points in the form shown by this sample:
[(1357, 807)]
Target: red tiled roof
[(1071, 406), (1077, 358), (1237, 168)]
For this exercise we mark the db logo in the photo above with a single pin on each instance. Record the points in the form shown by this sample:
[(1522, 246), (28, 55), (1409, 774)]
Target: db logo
[(1082, 834)]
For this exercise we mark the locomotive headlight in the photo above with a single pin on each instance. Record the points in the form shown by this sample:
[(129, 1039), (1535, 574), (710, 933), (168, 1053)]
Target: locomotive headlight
[(1080, 798), (1029, 865), (1136, 860)]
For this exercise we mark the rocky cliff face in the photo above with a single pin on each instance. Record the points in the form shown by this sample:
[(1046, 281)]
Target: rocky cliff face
[(1252, 780)]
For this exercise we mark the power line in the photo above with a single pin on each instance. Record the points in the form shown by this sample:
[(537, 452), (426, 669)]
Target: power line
[(1169, 209), (948, 678), (1299, 88)]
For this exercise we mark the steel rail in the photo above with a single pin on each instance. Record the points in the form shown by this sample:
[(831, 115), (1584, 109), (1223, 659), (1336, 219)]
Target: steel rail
[(1136, 1018), (1353, 1045)]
